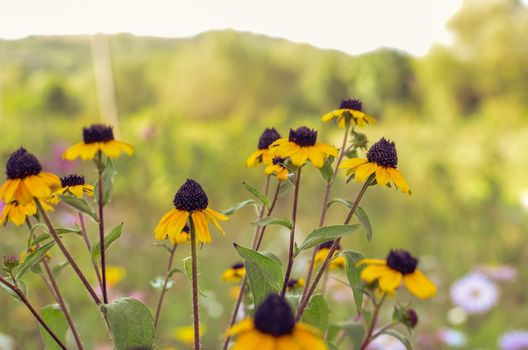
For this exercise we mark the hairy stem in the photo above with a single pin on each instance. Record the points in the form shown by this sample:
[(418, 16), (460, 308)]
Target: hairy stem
[(67, 255), (368, 337), (23, 298), (100, 203), (292, 233), (194, 264), (167, 278)]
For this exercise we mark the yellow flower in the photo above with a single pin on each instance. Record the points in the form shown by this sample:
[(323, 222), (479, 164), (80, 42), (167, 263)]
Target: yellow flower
[(277, 168), (182, 237), (235, 273), (400, 266), (97, 138), (114, 275), (234, 292), (295, 283), (349, 111), (322, 253), (274, 328), (185, 334), (74, 185), (26, 180), (189, 201), (17, 213), (262, 155), (302, 146), (382, 161)]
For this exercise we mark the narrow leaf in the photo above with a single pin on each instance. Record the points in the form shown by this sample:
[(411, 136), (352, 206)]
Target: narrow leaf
[(55, 319), (236, 207), (264, 273), (131, 324), (107, 177), (260, 196), (110, 238), (80, 204), (58, 269), (21, 286), (317, 313), (32, 259), (353, 272), (326, 234), (272, 221), (360, 213), (326, 170)]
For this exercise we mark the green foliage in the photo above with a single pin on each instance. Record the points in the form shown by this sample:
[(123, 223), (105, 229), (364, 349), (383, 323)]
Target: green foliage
[(107, 178), (80, 204), (353, 275), (32, 259), (110, 238), (258, 195), (130, 323), (272, 221), (317, 312), (326, 234), (55, 319)]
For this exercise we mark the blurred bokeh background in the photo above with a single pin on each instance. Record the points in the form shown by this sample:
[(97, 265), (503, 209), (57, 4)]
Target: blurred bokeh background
[(195, 107)]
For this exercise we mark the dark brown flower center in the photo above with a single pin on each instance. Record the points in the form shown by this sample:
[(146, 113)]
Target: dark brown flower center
[(237, 266), (328, 245), (402, 261), (383, 153), (279, 160), (269, 136), (274, 317), (98, 133), (191, 197), (351, 104), (22, 164), (72, 180), (303, 136)]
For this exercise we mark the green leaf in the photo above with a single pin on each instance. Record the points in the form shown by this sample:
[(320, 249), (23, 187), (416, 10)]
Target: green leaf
[(403, 339), (130, 323), (65, 230), (326, 170), (326, 234), (32, 259), (236, 207), (174, 270), (360, 213), (260, 196), (45, 236), (317, 313), (332, 331), (55, 319), (353, 272), (58, 269), (38, 230), (107, 177), (331, 346), (187, 267), (284, 185), (355, 331), (272, 221), (264, 273), (9, 291), (110, 238), (80, 204)]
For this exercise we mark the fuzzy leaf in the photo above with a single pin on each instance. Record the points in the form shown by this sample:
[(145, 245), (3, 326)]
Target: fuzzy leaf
[(326, 234), (317, 313), (353, 272), (55, 319)]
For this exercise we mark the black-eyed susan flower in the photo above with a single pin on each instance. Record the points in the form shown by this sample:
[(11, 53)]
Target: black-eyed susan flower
[(261, 155), (277, 168), (274, 328), (74, 185), (235, 273), (295, 283), (26, 180), (382, 160), (322, 252), (17, 213), (400, 266), (182, 237), (349, 112), (302, 146), (97, 138), (189, 201)]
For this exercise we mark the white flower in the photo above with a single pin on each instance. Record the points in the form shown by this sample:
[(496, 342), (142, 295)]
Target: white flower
[(474, 293), (516, 340), (452, 337), (386, 342)]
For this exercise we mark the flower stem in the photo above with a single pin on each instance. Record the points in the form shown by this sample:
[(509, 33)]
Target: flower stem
[(162, 295), (375, 316), (306, 299), (100, 203), (89, 246), (194, 266), (324, 210), (23, 298), (66, 253), (259, 234), (292, 233)]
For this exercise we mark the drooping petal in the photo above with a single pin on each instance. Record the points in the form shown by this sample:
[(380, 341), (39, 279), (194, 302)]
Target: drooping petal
[(89, 190), (8, 190), (419, 285), (299, 158), (389, 282), (330, 115), (22, 194), (326, 149), (308, 337), (125, 147), (37, 187), (74, 151), (371, 262), (254, 159), (382, 176), (352, 163), (216, 214), (214, 221), (241, 327), (315, 156), (51, 179), (202, 229), (254, 340), (398, 180), (287, 342), (76, 190), (110, 148), (364, 171), (373, 272)]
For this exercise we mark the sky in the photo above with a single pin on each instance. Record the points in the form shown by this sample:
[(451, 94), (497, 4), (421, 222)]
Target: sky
[(352, 26)]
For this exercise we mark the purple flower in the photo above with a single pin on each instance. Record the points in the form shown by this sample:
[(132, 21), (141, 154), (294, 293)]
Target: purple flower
[(475, 293), (515, 340)]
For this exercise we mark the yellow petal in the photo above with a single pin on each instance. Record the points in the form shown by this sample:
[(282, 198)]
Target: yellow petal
[(22, 194), (364, 171), (299, 158), (372, 272), (287, 342), (254, 340), (74, 151), (382, 176), (213, 220), (202, 229), (254, 159), (308, 337), (89, 190), (352, 163), (371, 262), (315, 156), (125, 147), (76, 190), (419, 285), (216, 214), (51, 179), (241, 327), (9, 188), (329, 116), (110, 148), (390, 281), (37, 187), (326, 149), (398, 180), (267, 158)]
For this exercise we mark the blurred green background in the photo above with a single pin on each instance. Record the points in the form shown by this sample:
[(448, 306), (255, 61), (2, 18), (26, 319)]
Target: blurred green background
[(196, 107)]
